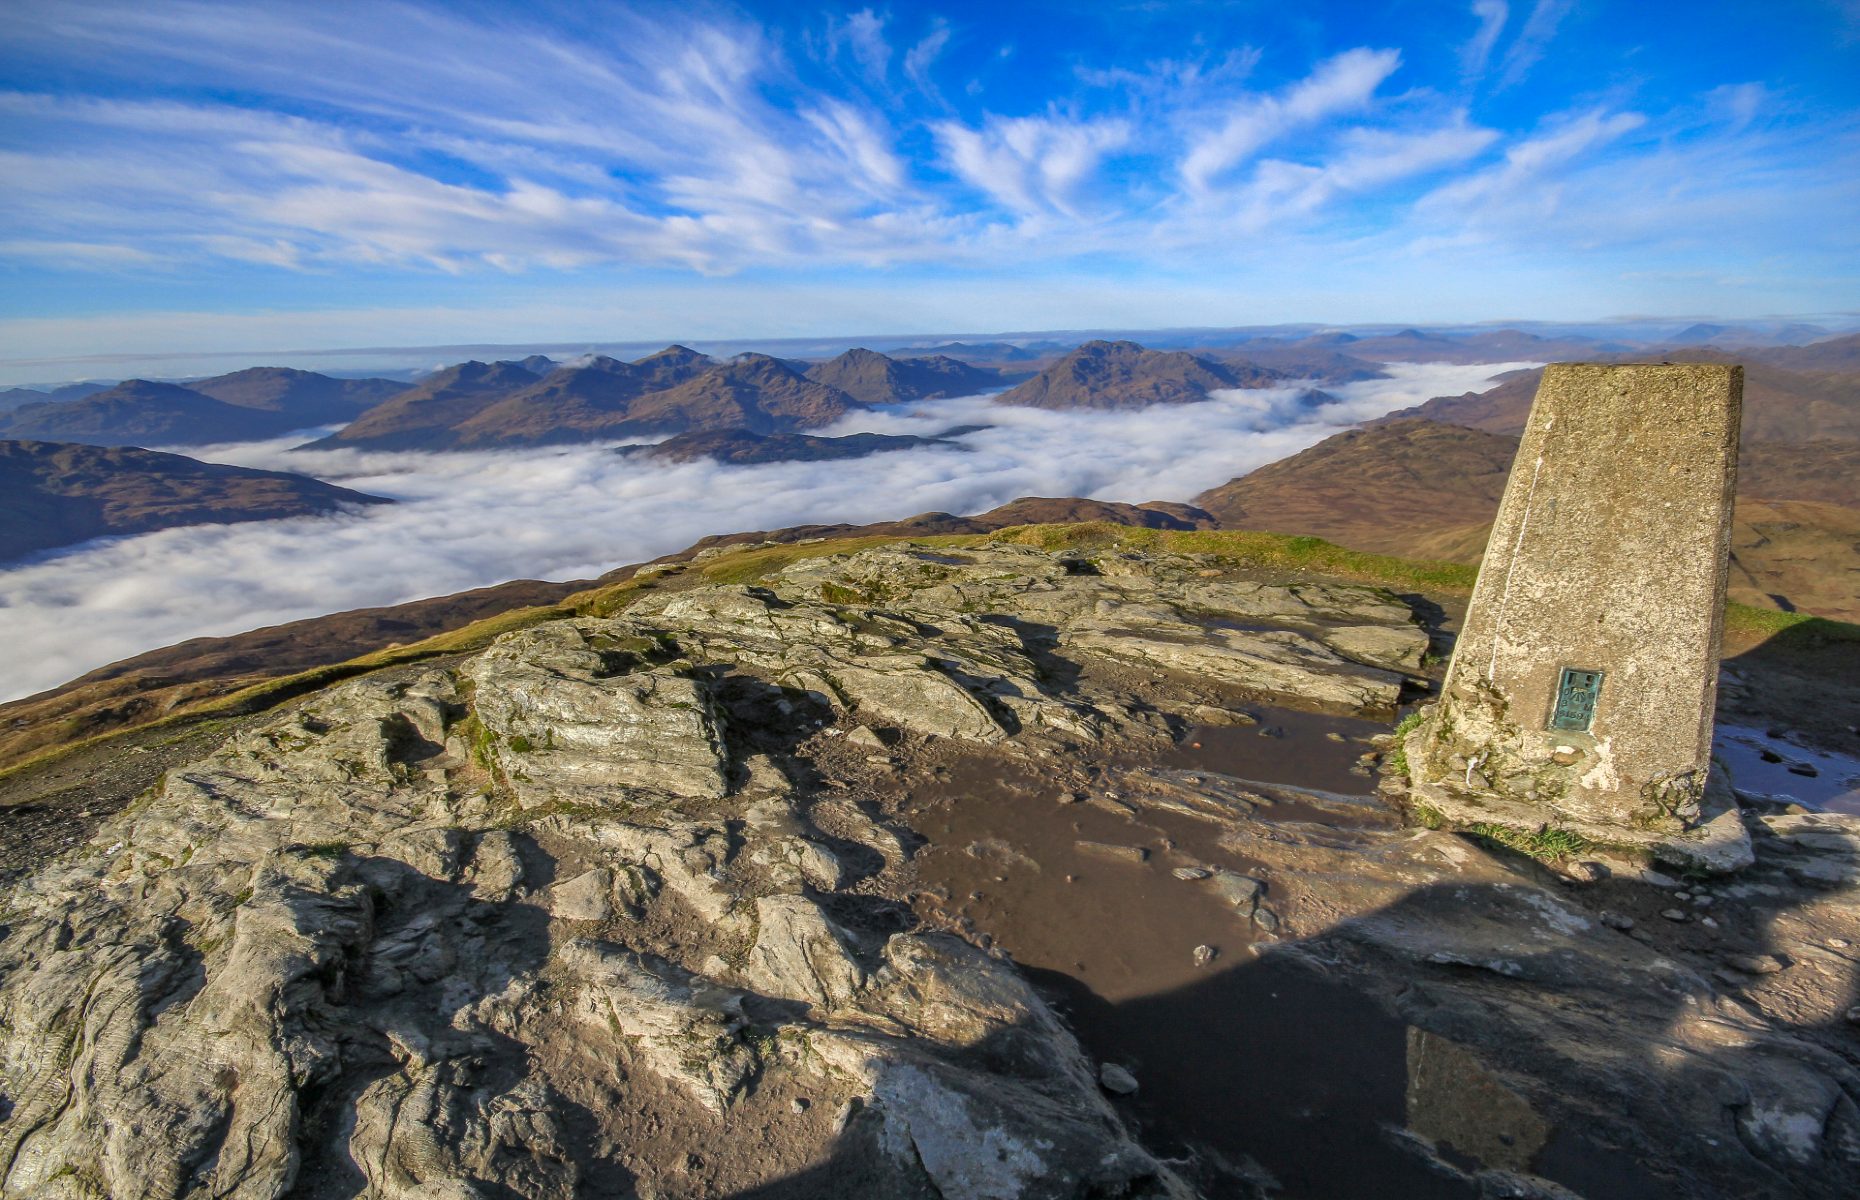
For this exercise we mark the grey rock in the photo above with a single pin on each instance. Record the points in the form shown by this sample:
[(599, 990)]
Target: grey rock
[(586, 897), (800, 955), (1755, 964), (1117, 1080)]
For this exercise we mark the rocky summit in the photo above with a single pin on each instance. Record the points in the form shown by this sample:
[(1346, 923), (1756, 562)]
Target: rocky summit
[(679, 901)]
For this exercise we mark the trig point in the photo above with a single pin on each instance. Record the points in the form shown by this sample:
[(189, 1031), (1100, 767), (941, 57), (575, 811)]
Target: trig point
[(1581, 690)]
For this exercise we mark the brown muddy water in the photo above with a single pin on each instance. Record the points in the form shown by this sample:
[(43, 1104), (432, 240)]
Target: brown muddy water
[(1247, 1056)]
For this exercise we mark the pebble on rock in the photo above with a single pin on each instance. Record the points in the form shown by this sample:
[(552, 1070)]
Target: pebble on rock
[(1117, 1080), (1204, 954), (1129, 854), (1189, 873), (1756, 964), (1673, 914), (1617, 921)]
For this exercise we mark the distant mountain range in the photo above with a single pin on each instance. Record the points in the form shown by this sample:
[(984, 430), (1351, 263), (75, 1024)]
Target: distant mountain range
[(57, 494), (873, 378), (740, 446), (12, 398), (1113, 376), (485, 405), (257, 403), (539, 401)]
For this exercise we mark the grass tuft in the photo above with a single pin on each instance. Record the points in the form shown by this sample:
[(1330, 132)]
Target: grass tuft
[(1548, 844)]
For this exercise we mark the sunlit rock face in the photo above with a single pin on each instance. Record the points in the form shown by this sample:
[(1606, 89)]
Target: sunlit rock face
[(417, 935)]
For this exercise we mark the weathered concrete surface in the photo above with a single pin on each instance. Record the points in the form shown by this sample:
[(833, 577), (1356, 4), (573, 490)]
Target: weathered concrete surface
[(1609, 554)]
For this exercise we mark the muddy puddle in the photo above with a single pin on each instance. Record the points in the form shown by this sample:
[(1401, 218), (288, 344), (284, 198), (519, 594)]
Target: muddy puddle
[(1249, 1055)]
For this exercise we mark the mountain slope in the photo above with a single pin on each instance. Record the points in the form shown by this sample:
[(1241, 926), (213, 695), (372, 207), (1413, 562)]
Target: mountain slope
[(56, 494), (304, 396), (1410, 487), (873, 378), (140, 412), (1779, 405), (1124, 375), (1417, 488), (743, 447), (423, 416)]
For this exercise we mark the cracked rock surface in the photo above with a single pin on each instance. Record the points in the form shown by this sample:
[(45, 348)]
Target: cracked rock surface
[(579, 915)]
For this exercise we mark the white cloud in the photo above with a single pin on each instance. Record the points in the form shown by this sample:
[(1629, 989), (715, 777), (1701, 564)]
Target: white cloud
[(1492, 16), (1341, 84), (1032, 165), (1533, 40), (921, 57), (468, 520), (1524, 183)]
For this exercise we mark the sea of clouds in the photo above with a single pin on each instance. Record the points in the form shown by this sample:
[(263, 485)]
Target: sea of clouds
[(468, 520)]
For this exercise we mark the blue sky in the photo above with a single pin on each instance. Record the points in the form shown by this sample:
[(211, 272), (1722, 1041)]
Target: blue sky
[(206, 176)]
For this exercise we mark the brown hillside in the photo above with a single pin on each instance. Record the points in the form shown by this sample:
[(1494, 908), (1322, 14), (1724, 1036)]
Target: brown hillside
[(1416, 489), (1779, 405), (58, 493)]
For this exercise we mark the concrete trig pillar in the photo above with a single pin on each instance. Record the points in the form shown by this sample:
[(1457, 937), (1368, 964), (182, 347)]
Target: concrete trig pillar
[(1582, 687)]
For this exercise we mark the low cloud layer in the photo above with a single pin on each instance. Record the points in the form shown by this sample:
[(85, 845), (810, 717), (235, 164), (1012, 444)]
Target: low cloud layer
[(468, 520)]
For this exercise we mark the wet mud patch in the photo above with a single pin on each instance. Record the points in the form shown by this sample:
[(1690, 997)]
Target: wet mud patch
[(1288, 746), (1156, 943)]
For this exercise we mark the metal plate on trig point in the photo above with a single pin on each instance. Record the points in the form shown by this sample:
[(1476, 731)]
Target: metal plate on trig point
[(1575, 699)]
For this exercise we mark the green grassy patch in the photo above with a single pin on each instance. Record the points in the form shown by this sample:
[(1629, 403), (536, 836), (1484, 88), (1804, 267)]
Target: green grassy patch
[(1749, 620), (1548, 844)]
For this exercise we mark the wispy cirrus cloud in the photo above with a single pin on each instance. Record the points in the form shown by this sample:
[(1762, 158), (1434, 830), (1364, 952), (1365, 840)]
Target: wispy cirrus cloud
[(415, 148)]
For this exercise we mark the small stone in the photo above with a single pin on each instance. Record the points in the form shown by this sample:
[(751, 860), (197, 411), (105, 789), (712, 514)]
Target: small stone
[(1117, 1080), (1585, 871), (1806, 770), (1266, 919), (1241, 891), (1334, 736), (1755, 964), (1701, 902), (1673, 914), (797, 1106), (861, 736), (1617, 921), (1682, 895), (1204, 954), (1069, 797), (1839, 943), (1128, 854), (1708, 923), (843, 1116), (1190, 873), (1853, 1015), (1271, 731)]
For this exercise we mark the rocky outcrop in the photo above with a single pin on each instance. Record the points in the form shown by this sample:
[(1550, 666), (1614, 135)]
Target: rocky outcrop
[(417, 935)]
